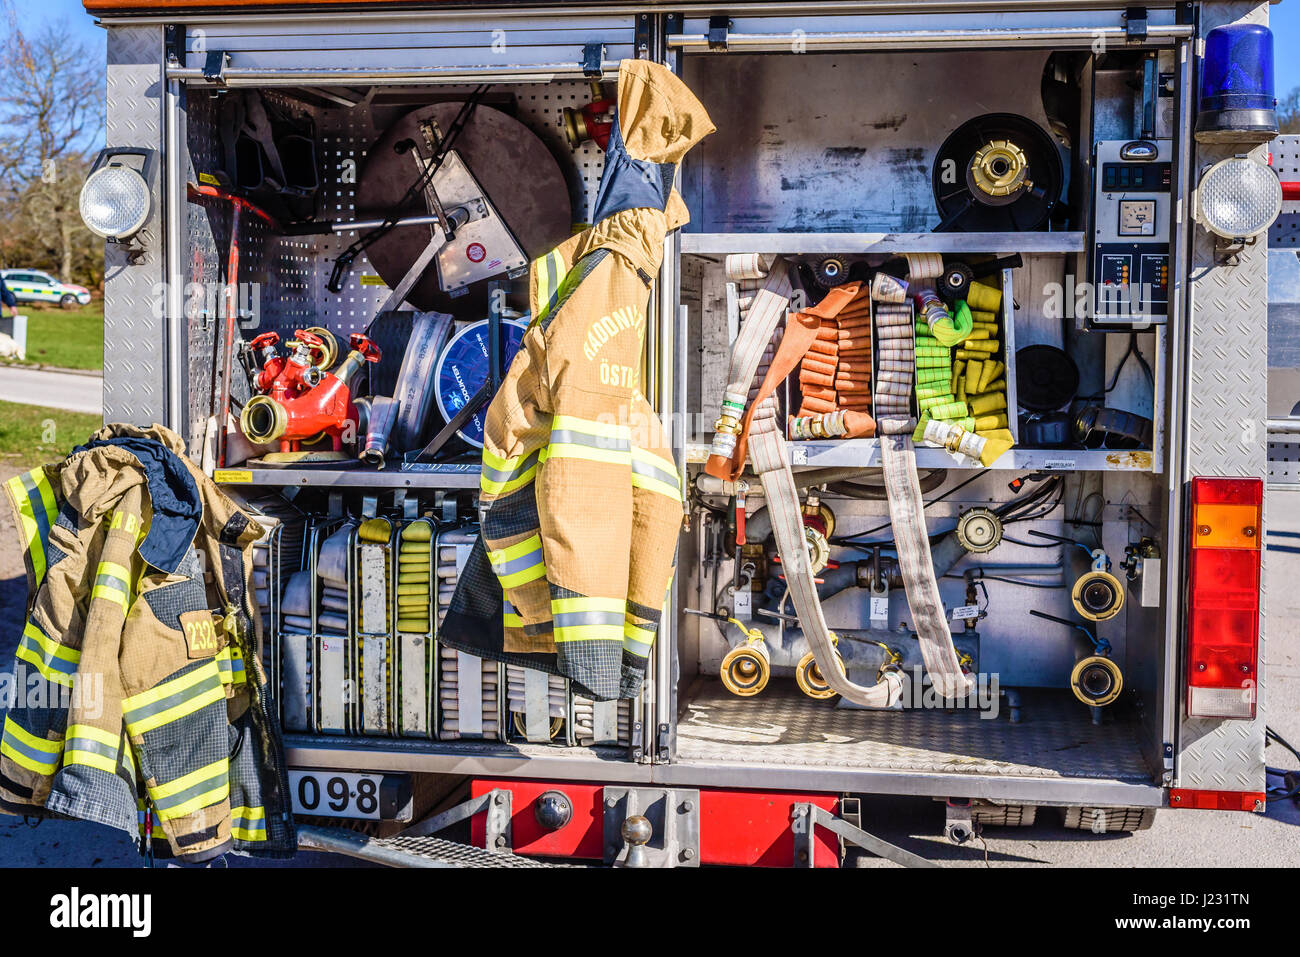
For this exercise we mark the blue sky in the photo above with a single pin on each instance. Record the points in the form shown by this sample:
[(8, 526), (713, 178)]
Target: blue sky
[(1284, 17)]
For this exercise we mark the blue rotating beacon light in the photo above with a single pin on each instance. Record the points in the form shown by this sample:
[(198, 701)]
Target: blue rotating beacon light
[(1238, 104)]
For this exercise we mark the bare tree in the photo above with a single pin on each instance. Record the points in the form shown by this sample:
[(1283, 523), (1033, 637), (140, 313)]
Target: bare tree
[(1288, 112), (51, 102)]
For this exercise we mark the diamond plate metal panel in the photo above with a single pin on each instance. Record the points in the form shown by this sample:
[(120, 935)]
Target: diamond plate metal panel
[(782, 727), (134, 340), (1227, 435)]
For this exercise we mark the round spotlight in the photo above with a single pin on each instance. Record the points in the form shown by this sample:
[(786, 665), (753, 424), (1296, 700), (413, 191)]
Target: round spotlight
[(115, 201), (1238, 198)]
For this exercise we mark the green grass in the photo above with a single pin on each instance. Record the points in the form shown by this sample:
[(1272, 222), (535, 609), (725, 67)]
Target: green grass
[(32, 436), (67, 338)]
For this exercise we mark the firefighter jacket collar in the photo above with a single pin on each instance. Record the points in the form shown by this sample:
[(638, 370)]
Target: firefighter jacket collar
[(173, 493)]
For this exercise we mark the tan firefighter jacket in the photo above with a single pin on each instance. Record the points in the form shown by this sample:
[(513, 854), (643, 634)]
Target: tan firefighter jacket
[(138, 695), (580, 497)]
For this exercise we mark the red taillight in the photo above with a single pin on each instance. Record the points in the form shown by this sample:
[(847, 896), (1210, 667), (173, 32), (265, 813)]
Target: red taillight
[(1223, 597), (1218, 800)]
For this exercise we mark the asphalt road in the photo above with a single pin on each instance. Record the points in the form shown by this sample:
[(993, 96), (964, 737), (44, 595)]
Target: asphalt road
[(54, 390), (1178, 839)]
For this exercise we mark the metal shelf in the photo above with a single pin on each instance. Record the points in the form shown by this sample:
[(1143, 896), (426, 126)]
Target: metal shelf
[(865, 453), (463, 475), (817, 243)]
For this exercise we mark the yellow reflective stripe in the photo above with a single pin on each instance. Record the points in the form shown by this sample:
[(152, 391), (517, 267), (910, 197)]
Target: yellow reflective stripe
[(26, 489), (510, 615), (654, 485), (120, 572), (248, 823), (55, 663), (38, 755), (49, 646), (588, 633), (530, 544), (94, 734), (174, 699), (499, 475), (520, 563), (190, 792), (516, 579), (230, 663), (187, 781), (113, 583), (564, 450), (168, 688), (638, 638), (583, 618), (604, 430), (561, 605), (90, 759), (550, 274)]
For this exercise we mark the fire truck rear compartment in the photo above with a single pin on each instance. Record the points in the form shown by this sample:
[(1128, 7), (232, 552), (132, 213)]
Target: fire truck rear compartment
[(779, 737)]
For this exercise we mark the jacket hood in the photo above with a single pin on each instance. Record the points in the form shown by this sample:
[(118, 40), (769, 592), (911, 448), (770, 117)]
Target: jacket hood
[(658, 119), (173, 492)]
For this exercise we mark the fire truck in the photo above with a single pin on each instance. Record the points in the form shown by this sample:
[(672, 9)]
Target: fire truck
[(1095, 180)]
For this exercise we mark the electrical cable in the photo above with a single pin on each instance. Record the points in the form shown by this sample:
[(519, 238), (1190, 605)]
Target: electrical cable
[(999, 578), (1132, 350), (853, 539), (1281, 794)]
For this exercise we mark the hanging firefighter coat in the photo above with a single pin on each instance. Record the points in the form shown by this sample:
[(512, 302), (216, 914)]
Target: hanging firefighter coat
[(138, 683), (580, 496)]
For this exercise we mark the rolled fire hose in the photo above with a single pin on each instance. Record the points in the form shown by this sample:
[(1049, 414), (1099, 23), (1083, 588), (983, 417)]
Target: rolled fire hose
[(768, 452), (906, 506), (416, 383), (771, 462)]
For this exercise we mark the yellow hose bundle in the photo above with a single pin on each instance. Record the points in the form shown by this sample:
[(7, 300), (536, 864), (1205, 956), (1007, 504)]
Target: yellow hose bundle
[(413, 595)]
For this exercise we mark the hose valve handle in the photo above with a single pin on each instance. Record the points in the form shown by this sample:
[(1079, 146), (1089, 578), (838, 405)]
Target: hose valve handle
[(267, 340), (363, 344)]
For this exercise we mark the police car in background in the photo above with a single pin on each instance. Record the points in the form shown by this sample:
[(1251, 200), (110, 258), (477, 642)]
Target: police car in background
[(30, 285)]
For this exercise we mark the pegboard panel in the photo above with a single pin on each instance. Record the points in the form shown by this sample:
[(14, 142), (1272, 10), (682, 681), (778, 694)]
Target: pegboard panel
[(292, 272), (1285, 232)]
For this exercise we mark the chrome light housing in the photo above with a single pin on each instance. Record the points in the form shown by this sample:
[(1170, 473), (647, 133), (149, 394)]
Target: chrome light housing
[(1238, 198), (116, 199)]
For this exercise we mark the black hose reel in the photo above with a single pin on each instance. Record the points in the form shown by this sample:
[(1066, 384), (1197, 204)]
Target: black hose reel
[(999, 172)]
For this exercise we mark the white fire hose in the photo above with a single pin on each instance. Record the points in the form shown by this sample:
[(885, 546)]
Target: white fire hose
[(770, 459)]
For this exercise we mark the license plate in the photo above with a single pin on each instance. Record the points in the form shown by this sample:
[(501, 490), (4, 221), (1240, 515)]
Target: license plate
[(336, 794)]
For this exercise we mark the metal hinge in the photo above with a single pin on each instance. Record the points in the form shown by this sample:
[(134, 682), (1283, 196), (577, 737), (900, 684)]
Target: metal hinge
[(662, 740), (593, 56), (636, 741), (718, 29), (174, 43), (641, 36), (1135, 24)]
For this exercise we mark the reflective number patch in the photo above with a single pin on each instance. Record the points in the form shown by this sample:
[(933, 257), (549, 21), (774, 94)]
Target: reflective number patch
[(203, 635)]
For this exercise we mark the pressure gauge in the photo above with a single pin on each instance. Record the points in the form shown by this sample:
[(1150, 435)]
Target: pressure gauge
[(1137, 217)]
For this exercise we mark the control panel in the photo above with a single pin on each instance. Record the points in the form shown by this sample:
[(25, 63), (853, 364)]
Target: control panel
[(1129, 261)]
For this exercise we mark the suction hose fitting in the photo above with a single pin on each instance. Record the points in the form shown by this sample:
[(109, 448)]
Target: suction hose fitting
[(808, 676), (263, 420), (1096, 680)]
